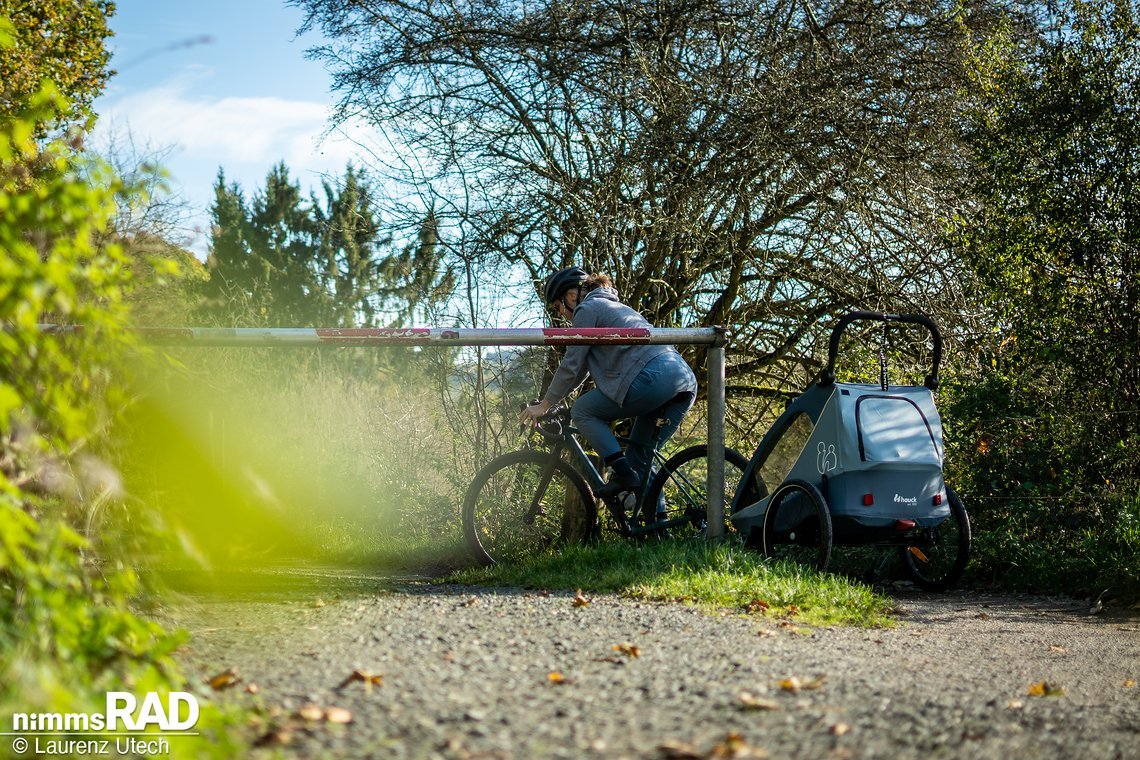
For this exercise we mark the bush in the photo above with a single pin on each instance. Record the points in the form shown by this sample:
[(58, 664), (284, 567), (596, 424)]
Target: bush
[(1053, 506)]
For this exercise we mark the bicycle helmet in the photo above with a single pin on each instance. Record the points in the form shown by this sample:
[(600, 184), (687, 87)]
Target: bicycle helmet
[(561, 281)]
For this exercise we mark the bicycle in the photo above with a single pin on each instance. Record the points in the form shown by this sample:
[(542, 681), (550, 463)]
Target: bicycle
[(535, 499)]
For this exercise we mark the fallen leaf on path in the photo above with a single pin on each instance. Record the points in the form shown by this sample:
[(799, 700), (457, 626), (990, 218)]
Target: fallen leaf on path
[(311, 713), (791, 684), (673, 750), (579, 600), (1129, 683), (1057, 649), (556, 678), (275, 738), (368, 679), (839, 729), (1045, 689), (750, 701), (252, 689), (338, 715), (628, 649), (224, 680), (795, 685), (734, 746), (314, 713), (757, 605)]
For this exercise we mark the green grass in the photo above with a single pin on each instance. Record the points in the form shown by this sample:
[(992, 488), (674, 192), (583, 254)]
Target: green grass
[(724, 576)]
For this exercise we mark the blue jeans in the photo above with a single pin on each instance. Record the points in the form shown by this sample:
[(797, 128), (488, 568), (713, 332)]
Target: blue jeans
[(656, 386)]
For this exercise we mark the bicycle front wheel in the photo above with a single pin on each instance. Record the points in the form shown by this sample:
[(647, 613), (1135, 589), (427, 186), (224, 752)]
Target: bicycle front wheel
[(683, 481), (524, 503)]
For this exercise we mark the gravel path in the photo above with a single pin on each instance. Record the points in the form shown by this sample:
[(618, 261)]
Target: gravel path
[(473, 672)]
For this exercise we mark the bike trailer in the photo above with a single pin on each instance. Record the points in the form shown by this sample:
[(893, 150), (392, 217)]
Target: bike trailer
[(875, 454)]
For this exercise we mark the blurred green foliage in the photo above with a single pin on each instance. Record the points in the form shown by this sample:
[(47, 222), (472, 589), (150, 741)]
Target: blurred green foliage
[(267, 457), (56, 41), (69, 630)]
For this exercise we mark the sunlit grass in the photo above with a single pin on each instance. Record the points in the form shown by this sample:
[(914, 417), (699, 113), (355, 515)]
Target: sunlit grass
[(695, 572)]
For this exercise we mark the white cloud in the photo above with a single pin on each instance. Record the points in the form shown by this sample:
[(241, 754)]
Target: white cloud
[(245, 136), (234, 130)]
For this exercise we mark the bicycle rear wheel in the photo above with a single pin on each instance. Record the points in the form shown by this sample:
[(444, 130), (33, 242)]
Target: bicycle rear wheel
[(524, 503), (683, 480)]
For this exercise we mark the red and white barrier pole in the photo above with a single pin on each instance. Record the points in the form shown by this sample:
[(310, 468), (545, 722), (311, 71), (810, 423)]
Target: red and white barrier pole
[(412, 336), (713, 337)]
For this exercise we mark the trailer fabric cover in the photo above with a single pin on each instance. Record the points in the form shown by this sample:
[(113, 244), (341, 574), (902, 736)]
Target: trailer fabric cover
[(886, 443)]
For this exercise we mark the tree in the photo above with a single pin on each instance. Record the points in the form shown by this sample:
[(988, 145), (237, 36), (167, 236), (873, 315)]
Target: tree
[(764, 165), (146, 206), (282, 260), (68, 632), (418, 279), (1047, 424), (61, 41), (350, 243), (1056, 237)]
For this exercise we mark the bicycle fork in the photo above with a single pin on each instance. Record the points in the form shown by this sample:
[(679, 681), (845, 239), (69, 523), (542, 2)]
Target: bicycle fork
[(535, 508)]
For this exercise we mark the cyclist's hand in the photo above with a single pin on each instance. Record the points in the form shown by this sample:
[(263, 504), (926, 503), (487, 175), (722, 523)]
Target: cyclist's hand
[(531, 414)]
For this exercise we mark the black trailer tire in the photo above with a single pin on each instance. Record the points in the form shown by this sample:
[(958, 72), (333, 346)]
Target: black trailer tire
[(807, 543), (939, 566)]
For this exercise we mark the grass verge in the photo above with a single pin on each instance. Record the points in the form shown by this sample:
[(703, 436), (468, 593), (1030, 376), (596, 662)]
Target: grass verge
[(695, 572)]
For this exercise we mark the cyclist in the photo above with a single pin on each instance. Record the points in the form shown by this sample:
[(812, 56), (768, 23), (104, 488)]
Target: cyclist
[(645, 382)]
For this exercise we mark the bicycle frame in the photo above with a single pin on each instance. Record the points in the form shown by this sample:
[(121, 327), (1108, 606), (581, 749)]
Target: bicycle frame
[(627, 526)]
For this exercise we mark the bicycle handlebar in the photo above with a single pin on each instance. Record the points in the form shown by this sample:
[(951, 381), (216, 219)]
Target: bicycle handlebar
[(827, 376), (550, 425)]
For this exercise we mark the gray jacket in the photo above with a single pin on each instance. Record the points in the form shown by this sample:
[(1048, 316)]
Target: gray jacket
[(612, 368)]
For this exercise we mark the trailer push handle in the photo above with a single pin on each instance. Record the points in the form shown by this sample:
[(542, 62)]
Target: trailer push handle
[(827, 376)]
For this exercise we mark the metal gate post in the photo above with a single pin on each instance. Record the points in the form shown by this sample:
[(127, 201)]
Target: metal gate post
[(716, 411)]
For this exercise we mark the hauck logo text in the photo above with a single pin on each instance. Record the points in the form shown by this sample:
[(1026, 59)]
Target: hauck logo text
[(125, 727)]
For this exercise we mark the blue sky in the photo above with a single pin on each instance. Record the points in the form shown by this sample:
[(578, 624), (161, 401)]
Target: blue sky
[(224, 83)]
